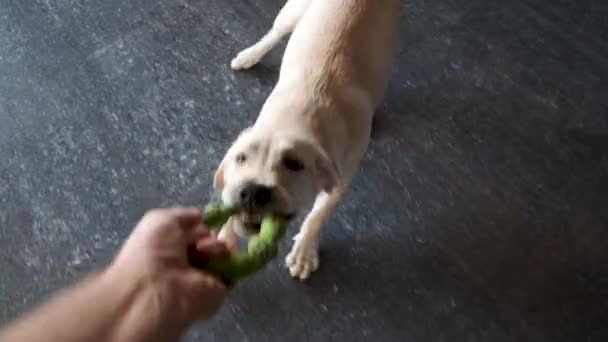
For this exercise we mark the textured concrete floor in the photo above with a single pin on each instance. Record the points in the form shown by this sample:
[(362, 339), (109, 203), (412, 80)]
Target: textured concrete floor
[(480, 212)]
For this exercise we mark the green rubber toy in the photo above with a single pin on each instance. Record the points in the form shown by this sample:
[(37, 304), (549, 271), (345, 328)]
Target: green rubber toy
[(261, 248)]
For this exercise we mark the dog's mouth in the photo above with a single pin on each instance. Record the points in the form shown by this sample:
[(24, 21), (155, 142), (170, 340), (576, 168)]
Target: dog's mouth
[(253, 223)]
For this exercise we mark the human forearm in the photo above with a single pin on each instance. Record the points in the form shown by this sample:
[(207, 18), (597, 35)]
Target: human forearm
[(150, 293), (103, 307)]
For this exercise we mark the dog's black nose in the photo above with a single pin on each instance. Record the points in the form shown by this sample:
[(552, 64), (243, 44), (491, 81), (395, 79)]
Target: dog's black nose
[(255, 195)]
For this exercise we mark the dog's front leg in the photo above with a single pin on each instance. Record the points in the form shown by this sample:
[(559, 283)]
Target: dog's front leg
[(228, 236), (304, 256)]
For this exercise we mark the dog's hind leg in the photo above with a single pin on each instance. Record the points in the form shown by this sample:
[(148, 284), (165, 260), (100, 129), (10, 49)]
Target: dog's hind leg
[(284, 24)]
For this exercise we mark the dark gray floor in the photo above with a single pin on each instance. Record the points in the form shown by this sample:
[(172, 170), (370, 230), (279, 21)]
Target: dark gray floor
[(480, 213)]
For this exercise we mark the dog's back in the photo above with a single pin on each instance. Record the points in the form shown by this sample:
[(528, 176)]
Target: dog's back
[(345, 43)]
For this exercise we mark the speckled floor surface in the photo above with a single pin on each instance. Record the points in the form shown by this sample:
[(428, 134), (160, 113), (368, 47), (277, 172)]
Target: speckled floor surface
[(480, 212)]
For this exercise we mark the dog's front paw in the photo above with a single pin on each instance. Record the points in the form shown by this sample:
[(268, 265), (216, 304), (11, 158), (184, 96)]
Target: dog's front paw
[(227, 236), (245, 59), (303, 259)]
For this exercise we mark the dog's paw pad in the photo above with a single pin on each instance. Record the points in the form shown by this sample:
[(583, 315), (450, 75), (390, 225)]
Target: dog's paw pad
[(302, 261), (244, 60)]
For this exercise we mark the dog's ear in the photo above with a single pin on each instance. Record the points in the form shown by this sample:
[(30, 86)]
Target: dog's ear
[(218, 177), (328, 171)]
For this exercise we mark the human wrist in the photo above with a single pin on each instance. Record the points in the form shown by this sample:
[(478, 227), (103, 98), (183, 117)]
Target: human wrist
[(149, 308)]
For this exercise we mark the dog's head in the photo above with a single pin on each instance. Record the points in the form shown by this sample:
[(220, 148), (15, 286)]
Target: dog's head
[(272, 172)]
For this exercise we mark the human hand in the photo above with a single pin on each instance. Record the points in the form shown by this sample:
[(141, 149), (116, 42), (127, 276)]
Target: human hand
[(158, 255)]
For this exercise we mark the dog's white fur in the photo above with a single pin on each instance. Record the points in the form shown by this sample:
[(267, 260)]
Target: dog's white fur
[(333, 76)]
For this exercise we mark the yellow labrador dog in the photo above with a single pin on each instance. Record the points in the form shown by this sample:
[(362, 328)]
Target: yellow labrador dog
[(314, 128)]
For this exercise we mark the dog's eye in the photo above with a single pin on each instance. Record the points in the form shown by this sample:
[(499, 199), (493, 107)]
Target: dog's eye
[(241, 158), (293, 164)]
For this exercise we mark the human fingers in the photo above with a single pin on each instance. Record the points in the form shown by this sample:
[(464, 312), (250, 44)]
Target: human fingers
[(199, 232), (186, 217), (211, 247), (200, 252)]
